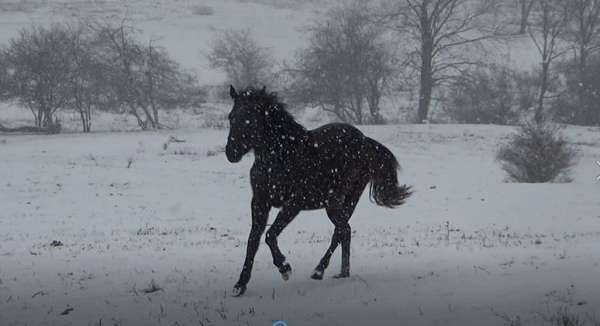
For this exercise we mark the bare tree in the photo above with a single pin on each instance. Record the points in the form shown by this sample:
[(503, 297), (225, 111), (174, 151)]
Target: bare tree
[(524, 7), (89, 67), (121, 54), (4, 88), (442, 30), (241, 57), (585, 30), (80, 80), (584, 33), (87, 85), (142, 79), (547, 31), (52, 69), (347, 66), (165, 84), (37, 67)]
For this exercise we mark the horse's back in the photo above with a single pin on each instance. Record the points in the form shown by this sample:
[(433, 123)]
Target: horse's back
[(337, 145), (337, 136), (337, 127)]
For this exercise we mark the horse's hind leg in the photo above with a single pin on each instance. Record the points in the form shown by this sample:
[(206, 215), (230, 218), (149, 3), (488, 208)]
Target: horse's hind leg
[(339, 212), (345, 235), (284, 217), (339, 216), (320, 269)]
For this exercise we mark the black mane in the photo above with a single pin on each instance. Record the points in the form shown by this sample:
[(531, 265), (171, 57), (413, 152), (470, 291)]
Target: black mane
[(255, 95), (279, 121)]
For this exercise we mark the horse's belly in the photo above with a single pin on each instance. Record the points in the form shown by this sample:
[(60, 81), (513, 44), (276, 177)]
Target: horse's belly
[(311, 192), (309, 198)]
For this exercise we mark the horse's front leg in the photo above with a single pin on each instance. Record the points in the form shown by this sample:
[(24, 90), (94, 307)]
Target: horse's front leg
[(284, 217), (260, 215)]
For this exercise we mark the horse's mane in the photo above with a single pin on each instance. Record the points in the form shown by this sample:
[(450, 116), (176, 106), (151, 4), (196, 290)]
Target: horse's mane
[(252, 94), (280, 120)]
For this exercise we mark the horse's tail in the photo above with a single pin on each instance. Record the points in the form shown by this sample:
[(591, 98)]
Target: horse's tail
[(383, 167)]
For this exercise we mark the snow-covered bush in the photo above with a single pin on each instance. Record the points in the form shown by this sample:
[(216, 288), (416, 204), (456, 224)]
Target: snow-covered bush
[(537, 153)]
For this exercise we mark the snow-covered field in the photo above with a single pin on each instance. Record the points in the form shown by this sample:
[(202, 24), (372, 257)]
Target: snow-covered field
[(466, 248), (153, 236)]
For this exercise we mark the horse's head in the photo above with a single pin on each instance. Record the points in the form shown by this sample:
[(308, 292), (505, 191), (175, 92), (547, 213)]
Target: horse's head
[(246, 123)]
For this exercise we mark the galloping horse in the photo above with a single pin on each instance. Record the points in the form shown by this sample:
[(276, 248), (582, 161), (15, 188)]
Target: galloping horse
[(297, 169)]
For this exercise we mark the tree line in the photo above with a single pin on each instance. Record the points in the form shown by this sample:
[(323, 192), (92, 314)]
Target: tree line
[(88, 67), (434, 52)]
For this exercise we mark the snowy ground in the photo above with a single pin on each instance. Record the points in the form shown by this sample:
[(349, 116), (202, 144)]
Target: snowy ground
[(466, 248)]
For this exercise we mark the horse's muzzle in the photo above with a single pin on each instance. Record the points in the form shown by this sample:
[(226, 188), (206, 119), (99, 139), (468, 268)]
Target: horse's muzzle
[(233, 155)]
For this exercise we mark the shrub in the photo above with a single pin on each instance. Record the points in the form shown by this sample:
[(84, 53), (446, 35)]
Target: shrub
[(578, 101), (537, 153), (491, 95)]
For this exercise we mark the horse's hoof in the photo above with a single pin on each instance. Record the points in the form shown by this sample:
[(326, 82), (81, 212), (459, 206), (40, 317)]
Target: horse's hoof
[(317, 275), (342, 275), (238, 290), (286, 271)]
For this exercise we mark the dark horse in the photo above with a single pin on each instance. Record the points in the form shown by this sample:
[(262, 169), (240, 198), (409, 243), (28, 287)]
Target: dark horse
[(297, 169)]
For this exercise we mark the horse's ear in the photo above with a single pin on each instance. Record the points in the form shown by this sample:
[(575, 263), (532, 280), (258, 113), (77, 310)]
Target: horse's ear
[(232, 92)]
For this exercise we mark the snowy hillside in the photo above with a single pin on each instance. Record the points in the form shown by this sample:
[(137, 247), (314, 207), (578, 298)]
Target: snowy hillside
[(184, 27), (466, 247)]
